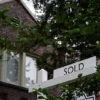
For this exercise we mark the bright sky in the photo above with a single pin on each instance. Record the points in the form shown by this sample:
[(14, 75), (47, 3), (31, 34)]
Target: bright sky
[(29, 4)]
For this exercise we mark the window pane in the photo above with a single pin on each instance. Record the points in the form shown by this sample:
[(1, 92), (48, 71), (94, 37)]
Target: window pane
[(30, 70), (12, 68)]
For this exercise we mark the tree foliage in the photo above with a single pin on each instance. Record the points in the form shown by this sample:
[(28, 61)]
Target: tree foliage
[(73, 26), (26, 37)]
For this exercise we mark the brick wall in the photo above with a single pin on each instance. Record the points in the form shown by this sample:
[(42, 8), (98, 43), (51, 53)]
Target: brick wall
[(16, 10), (12, 92)]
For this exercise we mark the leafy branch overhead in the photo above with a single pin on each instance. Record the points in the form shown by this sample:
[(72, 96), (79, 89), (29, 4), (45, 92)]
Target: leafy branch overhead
[(74, 25), (25, 37), (71, 28)]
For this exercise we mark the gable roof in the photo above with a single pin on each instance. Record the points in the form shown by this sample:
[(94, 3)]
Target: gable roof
[(18, 9), (3, 1)]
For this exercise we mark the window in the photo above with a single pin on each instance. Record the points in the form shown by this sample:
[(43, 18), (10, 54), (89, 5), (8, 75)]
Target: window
[(12, 68), (30, 70), (18, 69)]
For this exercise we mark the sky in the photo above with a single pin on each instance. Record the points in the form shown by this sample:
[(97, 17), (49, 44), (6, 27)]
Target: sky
[(29, 4)]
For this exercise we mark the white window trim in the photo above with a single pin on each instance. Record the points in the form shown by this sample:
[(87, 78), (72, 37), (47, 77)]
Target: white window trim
[(22, 69), (3, 65), (34, 58), (4, 1)]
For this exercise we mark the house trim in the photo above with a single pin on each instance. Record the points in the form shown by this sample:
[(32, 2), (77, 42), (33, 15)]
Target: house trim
[(4, 1), (28, 11), (3, 64)]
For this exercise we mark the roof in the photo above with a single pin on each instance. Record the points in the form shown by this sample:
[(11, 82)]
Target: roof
[(17, 9)]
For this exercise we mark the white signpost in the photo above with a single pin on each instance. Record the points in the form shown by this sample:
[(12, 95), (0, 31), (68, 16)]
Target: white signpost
[(85, 97), (68, 74), (82, 97)]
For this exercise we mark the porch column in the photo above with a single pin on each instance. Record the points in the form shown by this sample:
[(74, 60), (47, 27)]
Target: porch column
[(3, 65), (42, 76), (22, 70)]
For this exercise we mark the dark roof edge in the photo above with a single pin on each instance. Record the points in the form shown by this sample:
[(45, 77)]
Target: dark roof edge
[(13, 86)]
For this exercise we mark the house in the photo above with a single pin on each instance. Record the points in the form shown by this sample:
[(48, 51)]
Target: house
[(17, 72), (15, 69)]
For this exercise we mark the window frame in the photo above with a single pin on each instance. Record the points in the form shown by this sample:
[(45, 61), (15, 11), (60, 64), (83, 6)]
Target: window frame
[(34, 57), (21, 68)]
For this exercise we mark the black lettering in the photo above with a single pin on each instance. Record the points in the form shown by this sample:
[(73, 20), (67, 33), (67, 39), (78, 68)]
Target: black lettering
[(81, 66), (75, 68), (70, 71), (65, 71)]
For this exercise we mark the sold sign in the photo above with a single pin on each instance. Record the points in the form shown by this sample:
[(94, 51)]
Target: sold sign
[(75, 68)]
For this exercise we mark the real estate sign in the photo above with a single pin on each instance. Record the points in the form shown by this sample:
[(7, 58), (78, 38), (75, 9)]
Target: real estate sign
[(75, 68)]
